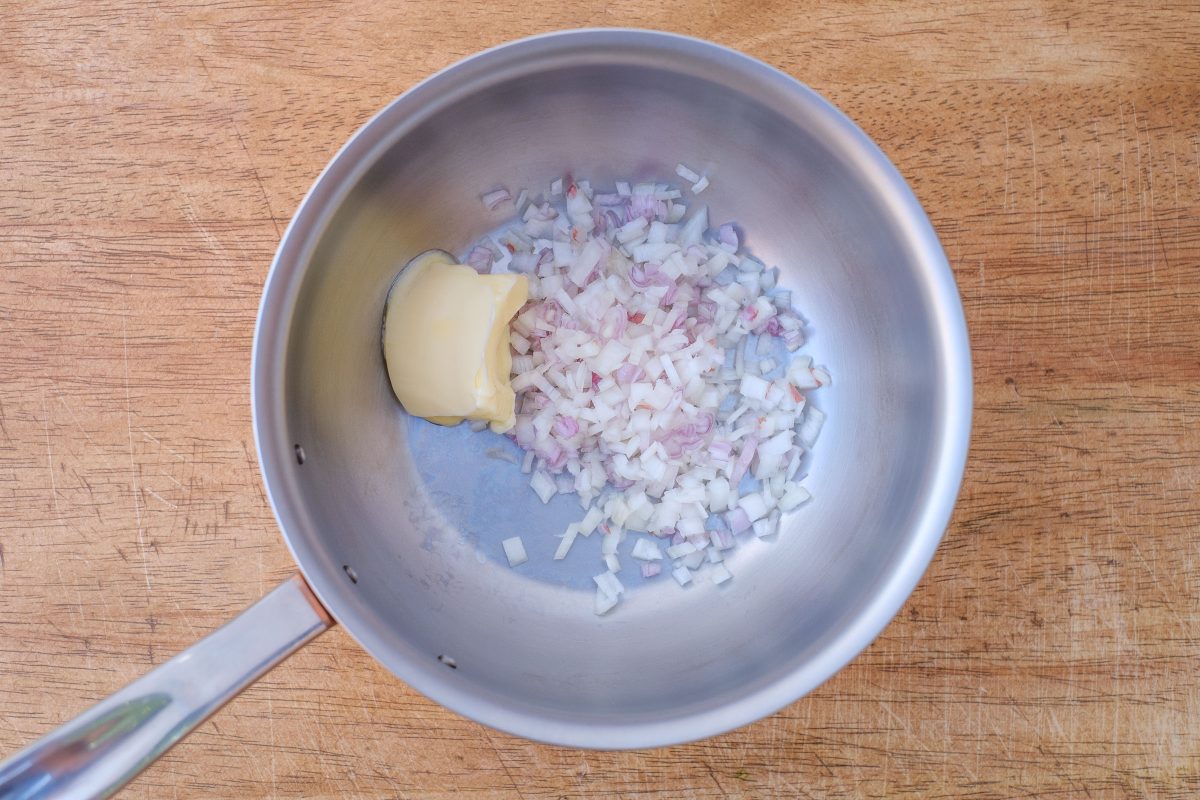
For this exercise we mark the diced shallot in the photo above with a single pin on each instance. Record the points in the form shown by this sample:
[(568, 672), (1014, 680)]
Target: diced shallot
[(646, 550), (568, 539), (608, 583), (655, 374), (604, 602), (514, 551), (493, 199)]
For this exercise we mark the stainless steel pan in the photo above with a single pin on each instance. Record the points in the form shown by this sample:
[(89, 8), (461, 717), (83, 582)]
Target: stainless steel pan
[(396, 523)]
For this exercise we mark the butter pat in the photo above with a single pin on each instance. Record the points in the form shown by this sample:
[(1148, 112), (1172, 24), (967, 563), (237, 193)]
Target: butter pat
[(445, 341)]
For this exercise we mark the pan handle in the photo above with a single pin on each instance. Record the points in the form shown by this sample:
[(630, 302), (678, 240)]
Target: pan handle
[(103, 748)]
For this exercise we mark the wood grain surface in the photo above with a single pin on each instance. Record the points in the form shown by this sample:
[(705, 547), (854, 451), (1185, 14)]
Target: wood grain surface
[(150, 156)]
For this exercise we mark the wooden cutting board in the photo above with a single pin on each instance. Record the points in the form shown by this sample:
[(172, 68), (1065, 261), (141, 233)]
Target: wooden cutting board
[(151, 156)]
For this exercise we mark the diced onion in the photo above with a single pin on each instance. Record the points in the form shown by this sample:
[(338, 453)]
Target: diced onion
[(655, 374), (680, 550), (646, 550), (493, 199), (514, 551), (687, 174), (608, 583), (793, 498), (810, 429), (543, 485), (754, 505), (568, 539), (604, 602)]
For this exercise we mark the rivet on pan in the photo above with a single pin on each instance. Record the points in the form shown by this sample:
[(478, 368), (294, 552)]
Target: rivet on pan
[(448, 661), (350, 573), (299, 454)]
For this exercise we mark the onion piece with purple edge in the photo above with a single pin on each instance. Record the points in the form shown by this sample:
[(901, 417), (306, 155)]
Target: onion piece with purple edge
[(494, 198), (738, 520), (480, 259)]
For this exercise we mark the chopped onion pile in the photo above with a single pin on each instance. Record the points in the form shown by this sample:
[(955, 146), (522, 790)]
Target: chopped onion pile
[(655, 375)]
